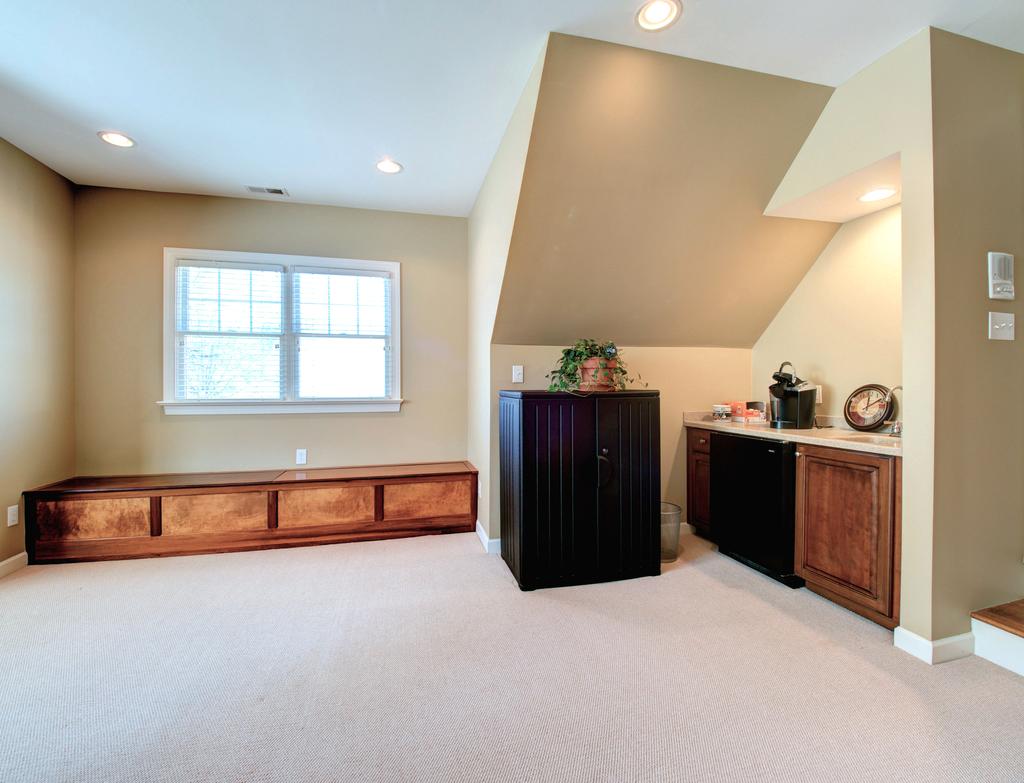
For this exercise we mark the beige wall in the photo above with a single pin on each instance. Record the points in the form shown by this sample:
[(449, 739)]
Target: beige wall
[(490, 231), (951, 107), (689, 379), (886, 109), (841, 326), (643, 196), (120, 236), (36, 328), (978, 104)]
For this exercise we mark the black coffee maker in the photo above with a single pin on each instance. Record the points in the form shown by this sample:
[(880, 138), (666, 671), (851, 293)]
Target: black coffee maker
[(792, 400)]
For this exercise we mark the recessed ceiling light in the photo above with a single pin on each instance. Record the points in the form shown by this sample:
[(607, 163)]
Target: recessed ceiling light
[(658, 14), (116, 138), (388, 166), (878, 194)]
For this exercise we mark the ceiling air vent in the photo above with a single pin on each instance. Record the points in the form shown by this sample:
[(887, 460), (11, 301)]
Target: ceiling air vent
[(267, 191)]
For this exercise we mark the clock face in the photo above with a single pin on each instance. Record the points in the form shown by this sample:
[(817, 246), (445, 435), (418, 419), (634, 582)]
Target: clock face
[(867, 408)]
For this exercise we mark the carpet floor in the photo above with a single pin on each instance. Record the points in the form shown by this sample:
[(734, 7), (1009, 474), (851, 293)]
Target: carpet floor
[(420, 660)]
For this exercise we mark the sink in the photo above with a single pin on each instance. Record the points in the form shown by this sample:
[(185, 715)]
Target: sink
[(874, 440)]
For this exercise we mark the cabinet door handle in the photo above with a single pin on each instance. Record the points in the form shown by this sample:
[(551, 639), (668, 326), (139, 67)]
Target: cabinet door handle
[(702, 441), (603, 461)]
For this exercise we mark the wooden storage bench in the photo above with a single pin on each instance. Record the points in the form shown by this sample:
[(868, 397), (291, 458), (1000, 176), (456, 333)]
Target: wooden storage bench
[(115, 517)]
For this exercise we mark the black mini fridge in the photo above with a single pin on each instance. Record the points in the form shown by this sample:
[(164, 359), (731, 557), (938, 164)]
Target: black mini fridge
[(580, 486), (753, 494)]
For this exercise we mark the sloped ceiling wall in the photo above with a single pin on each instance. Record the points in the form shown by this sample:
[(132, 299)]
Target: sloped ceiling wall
[(489, 234), (640, 216)]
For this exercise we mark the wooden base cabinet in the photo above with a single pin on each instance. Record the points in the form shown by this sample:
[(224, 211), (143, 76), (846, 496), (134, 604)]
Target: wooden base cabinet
[(848, 529), (698, 481)]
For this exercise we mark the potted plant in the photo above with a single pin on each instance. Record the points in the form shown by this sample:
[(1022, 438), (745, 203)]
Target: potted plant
[(589, 366)]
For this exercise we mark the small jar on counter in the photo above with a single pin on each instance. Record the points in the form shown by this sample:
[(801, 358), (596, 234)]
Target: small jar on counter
[(721, 412)]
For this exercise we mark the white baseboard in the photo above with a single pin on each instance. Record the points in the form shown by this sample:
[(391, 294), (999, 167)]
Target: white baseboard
[(938, 651), (492, 546), (13, 563), (998, 646)]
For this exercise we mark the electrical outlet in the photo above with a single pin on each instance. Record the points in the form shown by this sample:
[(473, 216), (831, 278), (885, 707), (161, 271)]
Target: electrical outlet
[(819, 396), (300, 456), (12, 516), (517, 373)]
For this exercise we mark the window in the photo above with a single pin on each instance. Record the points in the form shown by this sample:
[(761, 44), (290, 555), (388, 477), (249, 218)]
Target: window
[(258, 333)]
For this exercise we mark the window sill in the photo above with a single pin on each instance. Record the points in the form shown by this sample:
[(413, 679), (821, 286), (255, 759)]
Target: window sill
[(246, 407)]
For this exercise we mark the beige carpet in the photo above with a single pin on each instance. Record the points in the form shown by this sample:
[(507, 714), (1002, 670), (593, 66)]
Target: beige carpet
[(420, 660)]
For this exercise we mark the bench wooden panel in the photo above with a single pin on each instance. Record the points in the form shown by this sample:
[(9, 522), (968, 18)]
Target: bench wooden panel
[(92, 519), (220, 513), (346, 506), (428, 499), (117, 517)]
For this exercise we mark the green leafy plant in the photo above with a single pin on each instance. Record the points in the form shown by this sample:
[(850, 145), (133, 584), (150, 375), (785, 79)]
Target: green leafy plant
[(611, 368)]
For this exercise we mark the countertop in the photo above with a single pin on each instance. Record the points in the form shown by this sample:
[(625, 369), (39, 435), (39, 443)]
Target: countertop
[(264, 478), (834, 437)]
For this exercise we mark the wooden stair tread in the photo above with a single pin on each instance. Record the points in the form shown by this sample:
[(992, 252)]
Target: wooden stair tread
[(1007, 617)]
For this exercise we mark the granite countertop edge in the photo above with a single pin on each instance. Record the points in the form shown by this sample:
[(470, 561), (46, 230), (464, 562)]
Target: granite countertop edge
[(837, 437)]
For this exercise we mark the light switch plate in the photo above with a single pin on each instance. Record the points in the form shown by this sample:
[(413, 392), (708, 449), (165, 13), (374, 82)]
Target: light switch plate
[(12, 516), (517, 373), (300, 456), (1000, 326)]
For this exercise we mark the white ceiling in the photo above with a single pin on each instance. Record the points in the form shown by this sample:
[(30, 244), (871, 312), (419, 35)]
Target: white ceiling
[(308, 94)]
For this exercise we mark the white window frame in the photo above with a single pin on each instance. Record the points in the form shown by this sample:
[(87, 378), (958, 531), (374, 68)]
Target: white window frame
[(174, 407)]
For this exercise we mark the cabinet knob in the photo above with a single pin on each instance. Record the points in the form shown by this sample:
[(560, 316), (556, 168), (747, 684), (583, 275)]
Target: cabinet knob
[(604, 451), (702, 441)]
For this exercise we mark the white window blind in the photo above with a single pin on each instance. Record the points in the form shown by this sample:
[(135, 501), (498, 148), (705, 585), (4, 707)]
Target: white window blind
[(343, 330), (297, 331), (230, 324)]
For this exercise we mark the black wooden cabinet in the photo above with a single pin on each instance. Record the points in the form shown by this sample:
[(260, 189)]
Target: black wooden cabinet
[(580, 486)]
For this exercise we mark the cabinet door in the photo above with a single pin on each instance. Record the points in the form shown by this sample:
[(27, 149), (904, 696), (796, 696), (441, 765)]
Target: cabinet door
[(559, 481), (698, 491), (629, 486), (844, 525)]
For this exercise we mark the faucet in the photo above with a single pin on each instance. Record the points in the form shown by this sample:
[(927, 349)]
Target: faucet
[(897, 425)]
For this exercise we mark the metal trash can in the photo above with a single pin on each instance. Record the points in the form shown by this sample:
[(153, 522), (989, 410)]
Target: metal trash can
[(671, 519)]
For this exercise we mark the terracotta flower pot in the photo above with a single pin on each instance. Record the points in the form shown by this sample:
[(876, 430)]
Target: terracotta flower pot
[(595, 377)]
